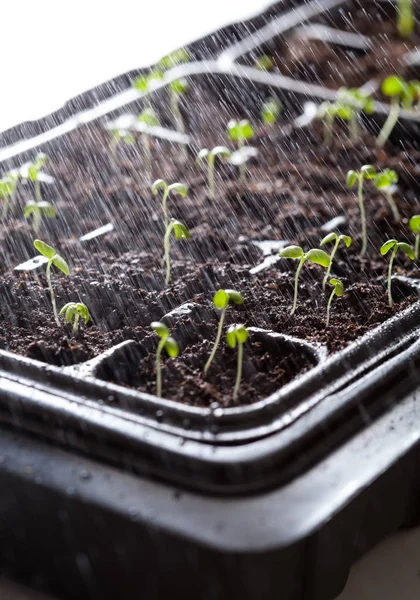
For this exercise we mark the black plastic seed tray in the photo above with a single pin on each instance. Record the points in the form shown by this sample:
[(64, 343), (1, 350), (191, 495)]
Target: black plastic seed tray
[(110, 493)]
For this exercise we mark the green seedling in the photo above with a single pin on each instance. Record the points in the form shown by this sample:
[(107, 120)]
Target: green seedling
[(119, 136), (264, 63), (384, 182), (8, 188), (366, 172), (56, 260), (148, 118), (333, 237), (414, 224), (237, 335), (210, 157), (348, 106), (338, 290), (181, 233), (315, 255), (32, 172), (38, 210), (394, 246), (73, 311), (270, 111), (240, 132), (147, 83), (402, 95), (173, 59), (405, 18), (178, 188), (166, 342), (221, 301)]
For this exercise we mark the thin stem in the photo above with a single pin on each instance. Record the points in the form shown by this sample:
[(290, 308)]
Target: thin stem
[(13, 195), (166, 248), (76, 324), (405, 18), (354, 128), (329, 307), (300, 265), (416, 245), (5, 207), (216, 341), (37, 190), (393, 116), (164, 208), (393, 205), (328, 130), (113, 151), (212, 192), (36, 220), (147, 155), (159, 369), (179, 121), (394, 251), (327, 274), (238, 371), (50, 288), (242, 166), (362, 215)]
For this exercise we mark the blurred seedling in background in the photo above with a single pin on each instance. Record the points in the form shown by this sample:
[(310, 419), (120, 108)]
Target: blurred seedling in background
[(315, 255), (264, 63), (73, 311), (366, 172), (210, 157), (31, 172), (240, 132), (334, 237), (270, 111), (54, 259), (221, 301), (385, 181), (8, 189), (181, 233), (348, 106), (414, 224), (119, 136), (403, 95), (147, 118), (237, 335), (178, 188), (166, 342), (405, 18), (338, 290), (394, 246), (39, 210)]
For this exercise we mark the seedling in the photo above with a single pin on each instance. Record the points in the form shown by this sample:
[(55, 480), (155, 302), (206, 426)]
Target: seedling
[(270, 112), (173, 59), (73, 311), (146, 84), (314, 255), (264, 63), (394, 246), (8, 187), (56, 260), (414, 224), (210, 156), (118, 136), (366, 172), (403, 95), (239, 132), (221, 301), (181, 232), (148, 118), (348, 106), (32, 172), (405, 18), (178, 188), (38, 210), (237, 335), (338, 290), (333, 237), (166, 342), (384, 182)]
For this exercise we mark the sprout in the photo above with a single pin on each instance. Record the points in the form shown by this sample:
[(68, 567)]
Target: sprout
[(56, 260), (173, 59), (237, 335), (405, 18), (240, 132), (119, 135), (75, 310), (179, 188), (338, 290), (350, 103), (165, 342), (221, 301), (315, 255), (148, 118), (333, 237), (366, 172), (39, 210), (384, 182), (181, 232), (402, 94), (270, 111), (146, 83), (394, 246), (8, 187), (414, 224), (264, 63), (32, 171), (177, 88), (210, 156)]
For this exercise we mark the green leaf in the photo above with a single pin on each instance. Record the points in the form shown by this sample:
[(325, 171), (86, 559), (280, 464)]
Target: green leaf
[(270, 111), (47, 209), (241, 334), (149, 117), (351, 178), (233, 130), (30, 208), (65, 307), (179, 188), (382, 181), (338, 286), (221, 299), (83, 311), (171, 347), (368, 172), (292, 252), (6, 186), (344, 112), (241, 130), (393, 86), (264, 63), (204, 153), (346, 239), (326, 109), (414, 224), (176, 57), (160, 329), (231, 337), (44, 249), (331, 237), (246, 129), (159, 184), (319, 257), (179, 86), (235, 296), (180, 230), (386, 247), (141, 83), (407, 249), (59, 262), (221, 151), (70, 312)]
